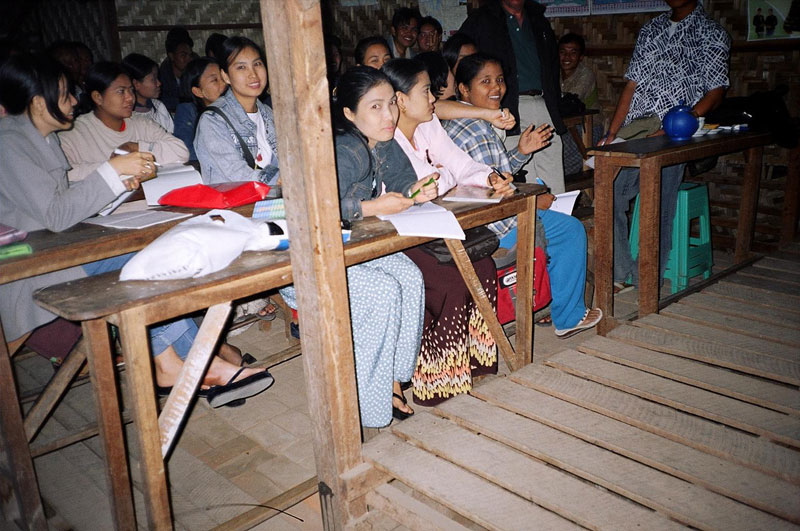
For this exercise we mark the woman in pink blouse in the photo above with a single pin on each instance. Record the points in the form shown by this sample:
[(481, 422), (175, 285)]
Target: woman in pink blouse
[(456, 342)]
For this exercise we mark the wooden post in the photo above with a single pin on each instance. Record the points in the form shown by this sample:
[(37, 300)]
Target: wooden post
[(23, 501), (649, 235), (526, 243), (748, 204), (604, 174), (296, 57)]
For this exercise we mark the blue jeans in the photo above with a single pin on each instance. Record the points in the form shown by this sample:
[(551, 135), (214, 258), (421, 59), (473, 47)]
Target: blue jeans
[(626, 186), (179, 334), (566, 248)]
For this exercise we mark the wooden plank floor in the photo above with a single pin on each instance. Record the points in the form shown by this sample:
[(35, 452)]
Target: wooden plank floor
[(689, 418)]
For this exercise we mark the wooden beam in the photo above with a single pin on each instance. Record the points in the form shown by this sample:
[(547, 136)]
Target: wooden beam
[(296, 55), (108, 13)]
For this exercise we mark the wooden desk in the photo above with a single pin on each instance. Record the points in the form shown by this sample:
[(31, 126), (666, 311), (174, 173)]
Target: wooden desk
[(135, 305), (78, 245), (650, 155)]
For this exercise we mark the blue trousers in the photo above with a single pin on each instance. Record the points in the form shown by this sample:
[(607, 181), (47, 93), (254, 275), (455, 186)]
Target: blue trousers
[(626, 186), (566, 249), (179, 334)]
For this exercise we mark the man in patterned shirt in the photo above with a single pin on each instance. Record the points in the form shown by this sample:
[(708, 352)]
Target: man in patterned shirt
[(680, 56)]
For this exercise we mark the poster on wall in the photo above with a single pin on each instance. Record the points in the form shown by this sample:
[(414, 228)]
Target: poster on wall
[(450, 14), (608, 7), (773, 19), (565, 8)]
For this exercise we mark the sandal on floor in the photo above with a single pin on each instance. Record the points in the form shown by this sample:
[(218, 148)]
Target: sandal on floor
[(220, 395), (622, 287), (397, 413), (264, 315), (569, 332)]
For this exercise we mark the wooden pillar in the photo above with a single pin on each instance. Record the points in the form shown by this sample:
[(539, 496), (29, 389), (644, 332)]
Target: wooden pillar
[(108, 13), (296, 56), (748, 204)]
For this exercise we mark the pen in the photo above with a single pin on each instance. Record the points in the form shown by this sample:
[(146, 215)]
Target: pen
[(429, 181), (495, 170), (123, 152)]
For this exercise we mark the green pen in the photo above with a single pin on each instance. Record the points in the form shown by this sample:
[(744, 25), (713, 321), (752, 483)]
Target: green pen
[(430, 181), (14, 250)]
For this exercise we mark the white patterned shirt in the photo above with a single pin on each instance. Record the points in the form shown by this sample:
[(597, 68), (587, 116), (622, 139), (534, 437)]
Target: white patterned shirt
[(682, 65)]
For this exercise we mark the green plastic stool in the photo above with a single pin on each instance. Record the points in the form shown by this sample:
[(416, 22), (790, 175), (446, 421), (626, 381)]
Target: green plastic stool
[(689, 256)]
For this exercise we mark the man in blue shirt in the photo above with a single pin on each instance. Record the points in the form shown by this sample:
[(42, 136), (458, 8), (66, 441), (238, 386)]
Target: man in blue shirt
[(679, 56), (516, 32)]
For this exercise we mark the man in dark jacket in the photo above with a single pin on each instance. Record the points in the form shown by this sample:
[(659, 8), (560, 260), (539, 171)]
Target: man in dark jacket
[(516, 32)]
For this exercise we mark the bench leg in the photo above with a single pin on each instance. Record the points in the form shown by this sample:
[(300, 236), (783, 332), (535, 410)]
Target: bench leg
[(139, 373), (22, 502), (194, 368), (109, 421)]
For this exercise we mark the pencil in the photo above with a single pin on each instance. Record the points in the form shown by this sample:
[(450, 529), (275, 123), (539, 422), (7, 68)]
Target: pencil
[(429, 181)]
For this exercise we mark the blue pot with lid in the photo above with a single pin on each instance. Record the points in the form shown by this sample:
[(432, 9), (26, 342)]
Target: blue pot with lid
[(679, 123)]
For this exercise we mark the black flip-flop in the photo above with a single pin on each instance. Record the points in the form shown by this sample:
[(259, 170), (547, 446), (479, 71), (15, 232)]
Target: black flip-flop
[(219, 395), (397, 413)]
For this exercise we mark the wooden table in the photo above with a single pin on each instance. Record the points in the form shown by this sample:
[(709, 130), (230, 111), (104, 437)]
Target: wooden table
[(134, 305), (650, 155), (78, 245)]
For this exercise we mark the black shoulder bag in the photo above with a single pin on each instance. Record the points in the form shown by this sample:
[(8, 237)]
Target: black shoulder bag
[(248, 157)]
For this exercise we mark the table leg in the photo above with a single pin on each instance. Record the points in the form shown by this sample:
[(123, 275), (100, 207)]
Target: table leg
[(588, 123), (526, 234), (16, 463), (109, 421), (748, 203), (139, 373), (791, 198), (604, 174), (649, 235), (489, 314)]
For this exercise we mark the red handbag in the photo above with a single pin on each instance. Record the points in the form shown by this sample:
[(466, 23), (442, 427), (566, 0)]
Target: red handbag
[(223, 195), (507, 288)]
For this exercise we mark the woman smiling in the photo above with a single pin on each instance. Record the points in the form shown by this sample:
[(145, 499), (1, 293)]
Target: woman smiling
[(235, 138), (111, 125)]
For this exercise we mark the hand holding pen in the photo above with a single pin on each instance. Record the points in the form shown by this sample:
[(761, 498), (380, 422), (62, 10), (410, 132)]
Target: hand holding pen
[(501, 182), (425, 189)]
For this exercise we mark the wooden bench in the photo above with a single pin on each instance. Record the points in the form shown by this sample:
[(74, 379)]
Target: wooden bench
[(134, 305)]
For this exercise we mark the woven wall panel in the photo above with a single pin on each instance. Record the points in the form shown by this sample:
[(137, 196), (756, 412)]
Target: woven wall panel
[(151, 43), (73, 20), (171, 12), (354, 23)]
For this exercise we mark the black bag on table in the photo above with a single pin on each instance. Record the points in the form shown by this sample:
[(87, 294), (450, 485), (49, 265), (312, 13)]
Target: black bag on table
[(480, 243)]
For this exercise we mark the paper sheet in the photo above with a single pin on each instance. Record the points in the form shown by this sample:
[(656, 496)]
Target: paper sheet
[(426, 219), (590, 160), (472, 194), (112, 206), (565, 202), (136, 220)]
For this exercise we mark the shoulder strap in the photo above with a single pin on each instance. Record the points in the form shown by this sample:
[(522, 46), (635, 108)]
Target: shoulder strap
[(248, 157)]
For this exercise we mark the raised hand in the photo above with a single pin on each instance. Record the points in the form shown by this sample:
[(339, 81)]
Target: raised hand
[(501, 118), (535, 139)]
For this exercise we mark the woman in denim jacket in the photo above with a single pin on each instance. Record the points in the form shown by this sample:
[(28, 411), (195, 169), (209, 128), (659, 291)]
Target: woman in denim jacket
[(387, 295), (216, 144)]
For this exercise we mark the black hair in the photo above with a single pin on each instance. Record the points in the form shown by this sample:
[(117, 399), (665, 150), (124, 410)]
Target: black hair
[(452, 47), (99, 77), (24, 76), (233, 46), (573, 38), (82, 46), (403, 73), (191, 78), (214, 45), (470, 66), (176, 36), (364, 44), (138, 66), (433, 22), (351, 87), (437, 70), (404, 15)]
